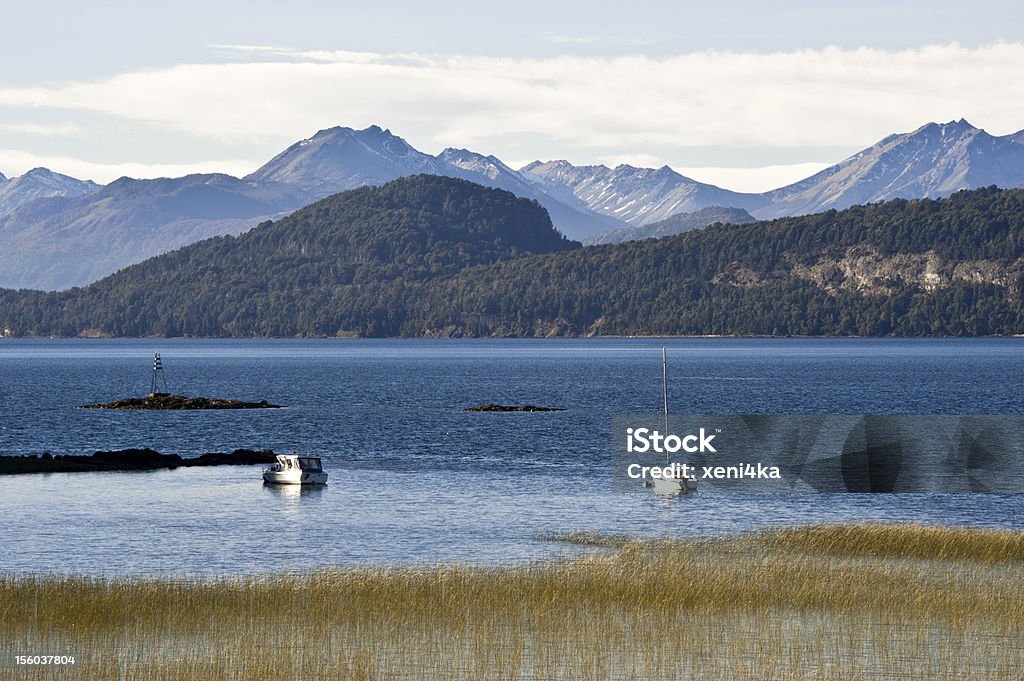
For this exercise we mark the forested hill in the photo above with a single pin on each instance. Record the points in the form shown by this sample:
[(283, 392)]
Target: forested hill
[(414, 228), (316, 272), (432, 256), (949, 267)]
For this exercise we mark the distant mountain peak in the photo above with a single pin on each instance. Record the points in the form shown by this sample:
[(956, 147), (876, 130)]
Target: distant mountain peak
[(959, 123), (40, 183), (637, 196), (952, 128), (340, 158), (340, 132), (49, 178), (933, 161), (488, 166)]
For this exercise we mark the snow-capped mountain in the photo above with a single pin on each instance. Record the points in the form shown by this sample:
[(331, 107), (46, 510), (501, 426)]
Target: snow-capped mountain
[(573, 219), (56, 231), (638, 196), (337, 159), (63, 241), (40, 183), (490, 167), (933, 161)]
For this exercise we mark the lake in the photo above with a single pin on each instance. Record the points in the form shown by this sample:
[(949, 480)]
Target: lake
[(414, 478)]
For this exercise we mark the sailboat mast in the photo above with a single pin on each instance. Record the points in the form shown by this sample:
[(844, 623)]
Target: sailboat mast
[(664, 393)]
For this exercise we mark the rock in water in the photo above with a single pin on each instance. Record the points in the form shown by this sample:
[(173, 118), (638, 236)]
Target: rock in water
[(166, 401)]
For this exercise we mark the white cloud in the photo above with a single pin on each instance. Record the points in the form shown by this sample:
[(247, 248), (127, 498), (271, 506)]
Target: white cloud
[(15, 162), (636, 160), (54, 130), (578, 108), (754, 180)]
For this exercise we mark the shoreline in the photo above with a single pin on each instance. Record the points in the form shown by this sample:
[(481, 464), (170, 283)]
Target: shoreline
[(127, 460), (498, 338)]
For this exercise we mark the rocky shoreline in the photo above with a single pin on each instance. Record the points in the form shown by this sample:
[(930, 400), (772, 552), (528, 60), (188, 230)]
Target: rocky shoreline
[(167, 401), (128, 460)]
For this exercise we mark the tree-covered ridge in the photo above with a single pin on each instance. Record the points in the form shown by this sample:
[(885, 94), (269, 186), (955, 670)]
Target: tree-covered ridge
[(433, 256), (670, 226), (753, 280), (414, 228)]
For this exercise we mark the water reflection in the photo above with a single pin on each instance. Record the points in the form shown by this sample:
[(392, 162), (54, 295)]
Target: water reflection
[(294, 492)]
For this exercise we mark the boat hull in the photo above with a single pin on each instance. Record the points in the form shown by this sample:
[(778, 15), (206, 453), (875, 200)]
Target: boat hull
[(673, 485), (294, 478)]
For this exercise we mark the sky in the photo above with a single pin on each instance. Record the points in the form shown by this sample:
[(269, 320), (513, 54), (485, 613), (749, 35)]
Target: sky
[(746, 95)]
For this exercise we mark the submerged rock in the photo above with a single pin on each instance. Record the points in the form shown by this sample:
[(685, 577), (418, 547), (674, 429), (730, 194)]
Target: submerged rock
[(128, 460), (505, 407), (166, 401)]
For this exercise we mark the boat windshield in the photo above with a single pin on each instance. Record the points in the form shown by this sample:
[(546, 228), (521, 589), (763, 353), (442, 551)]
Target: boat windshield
[(309, 464)]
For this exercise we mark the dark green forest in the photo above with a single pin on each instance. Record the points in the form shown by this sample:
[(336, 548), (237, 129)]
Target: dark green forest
[(427, 256)]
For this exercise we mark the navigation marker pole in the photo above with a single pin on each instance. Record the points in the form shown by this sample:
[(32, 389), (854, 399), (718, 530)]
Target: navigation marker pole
[(158, 370)]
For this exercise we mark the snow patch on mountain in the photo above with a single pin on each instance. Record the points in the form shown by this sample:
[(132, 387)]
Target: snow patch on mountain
[(40, 183), (637, 196)]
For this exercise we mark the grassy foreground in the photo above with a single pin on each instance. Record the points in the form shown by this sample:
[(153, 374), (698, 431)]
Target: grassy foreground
[(826, 602)]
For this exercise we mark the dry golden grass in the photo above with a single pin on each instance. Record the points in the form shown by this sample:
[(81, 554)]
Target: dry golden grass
[(827, 602)]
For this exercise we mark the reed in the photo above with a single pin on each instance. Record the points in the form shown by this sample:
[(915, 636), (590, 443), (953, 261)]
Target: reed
[(825, 602)]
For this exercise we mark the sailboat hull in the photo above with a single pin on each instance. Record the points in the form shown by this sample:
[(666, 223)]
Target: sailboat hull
[(673, 485)]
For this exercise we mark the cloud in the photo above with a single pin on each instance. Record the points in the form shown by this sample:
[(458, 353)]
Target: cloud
[(15, 162), (579, 108), (55, 130), (754, 180), (294, 54), (636, 160)]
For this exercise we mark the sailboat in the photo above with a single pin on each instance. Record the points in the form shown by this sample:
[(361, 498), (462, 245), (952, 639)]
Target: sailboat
[(678, 484)]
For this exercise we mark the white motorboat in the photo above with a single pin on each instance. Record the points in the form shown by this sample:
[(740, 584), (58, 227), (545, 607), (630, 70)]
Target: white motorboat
[(678, 484), (292, 469)]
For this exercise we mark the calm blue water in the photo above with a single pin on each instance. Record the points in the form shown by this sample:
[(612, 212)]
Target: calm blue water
[(413, 477)]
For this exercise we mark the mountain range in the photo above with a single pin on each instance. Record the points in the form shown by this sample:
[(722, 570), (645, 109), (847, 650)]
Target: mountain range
[(57, 232), (933, 161), (429, 256), (337, 159)]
